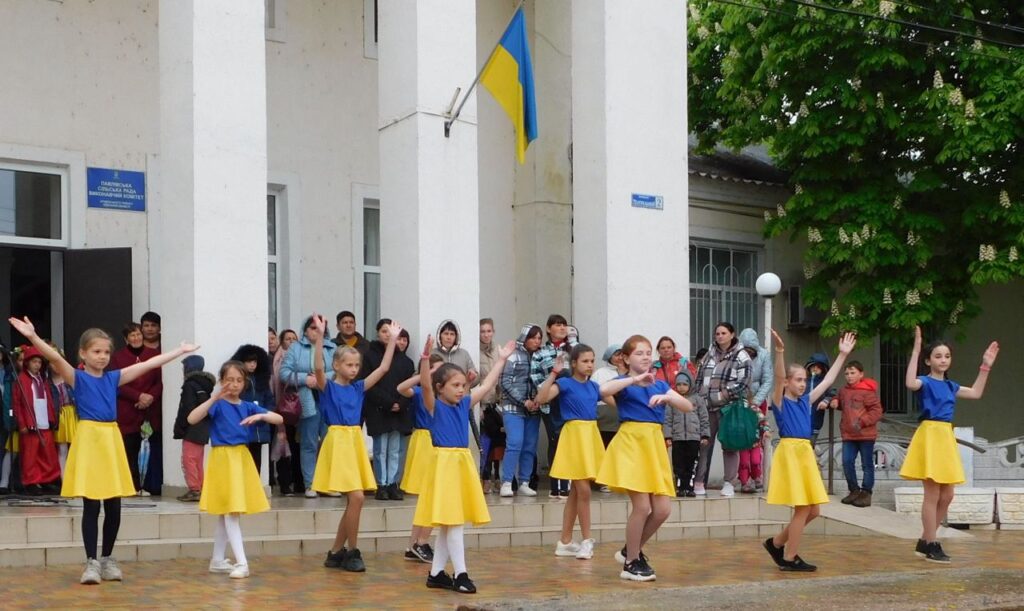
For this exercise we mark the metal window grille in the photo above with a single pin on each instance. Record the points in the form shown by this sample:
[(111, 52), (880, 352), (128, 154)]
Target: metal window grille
[(721, 289)]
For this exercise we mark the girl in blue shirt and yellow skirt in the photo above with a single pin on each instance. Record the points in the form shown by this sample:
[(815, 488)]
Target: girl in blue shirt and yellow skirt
[(795, 479), (231, 485), (932, 456), (636, 461)]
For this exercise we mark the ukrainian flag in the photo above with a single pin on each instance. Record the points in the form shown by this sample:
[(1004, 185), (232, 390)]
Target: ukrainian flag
[(508, 75)]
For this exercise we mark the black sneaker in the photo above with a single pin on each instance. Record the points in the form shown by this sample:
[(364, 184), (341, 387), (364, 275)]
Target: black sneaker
[(394, 494), (354, 562), (422, 553), (797, 565), (463, 584), (382, 494), (935, 554), (335, 560), (848, 499), (441, 581), (775, 552), (921, 549), (620, 556), (638, 570), (564, 493)]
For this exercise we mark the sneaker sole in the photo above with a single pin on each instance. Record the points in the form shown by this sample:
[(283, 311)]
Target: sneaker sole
[(936, 561), (586, 557), (790, 570), (631, 577), (920, 555), (217, 571), (438, 586), (112, 578), (417, 558), (89, 582)]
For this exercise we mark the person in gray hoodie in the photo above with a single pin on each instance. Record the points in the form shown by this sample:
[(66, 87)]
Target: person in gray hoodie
[(762, 380), (520, 413), (686, 433), (449, 339)]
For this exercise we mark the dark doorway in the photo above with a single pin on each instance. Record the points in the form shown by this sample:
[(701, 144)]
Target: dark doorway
[(25, 291), (97, 293)]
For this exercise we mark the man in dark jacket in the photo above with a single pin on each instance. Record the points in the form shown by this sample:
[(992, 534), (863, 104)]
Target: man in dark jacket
[(348, 336), (195, 389), (386, 412)]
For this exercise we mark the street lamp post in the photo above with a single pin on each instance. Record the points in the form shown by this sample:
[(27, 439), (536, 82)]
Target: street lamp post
[(768, 285)]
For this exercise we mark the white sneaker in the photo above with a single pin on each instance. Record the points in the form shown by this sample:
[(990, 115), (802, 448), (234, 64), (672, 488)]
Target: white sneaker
[(727, 489), (605, 489), (241, 571), (332, 494), (567, 549), (142, 493), (109, 571), (586, 550), (91, 574), (506, 489), (310, 493), (699, 490), (525, 490), (221, 566)]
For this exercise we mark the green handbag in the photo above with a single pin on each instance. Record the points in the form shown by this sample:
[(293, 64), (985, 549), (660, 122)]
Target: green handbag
[(737, 428)]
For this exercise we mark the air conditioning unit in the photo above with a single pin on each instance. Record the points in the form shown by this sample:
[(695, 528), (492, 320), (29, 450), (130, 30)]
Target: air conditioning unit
[(802, 316)]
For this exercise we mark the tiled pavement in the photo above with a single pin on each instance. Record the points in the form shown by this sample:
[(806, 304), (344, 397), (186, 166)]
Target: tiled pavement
[(532, 575)]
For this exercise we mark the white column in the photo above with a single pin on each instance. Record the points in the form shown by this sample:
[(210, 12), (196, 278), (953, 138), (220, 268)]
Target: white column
[(428, 183), (212, 251), (629, 136)]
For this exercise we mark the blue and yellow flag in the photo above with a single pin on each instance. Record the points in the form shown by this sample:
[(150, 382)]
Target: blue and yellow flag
[(508, 75)]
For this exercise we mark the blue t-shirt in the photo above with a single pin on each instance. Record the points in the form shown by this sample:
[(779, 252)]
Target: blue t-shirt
[(342, 405), (633, 403), (938, 398), (97, 397), (225, 422), (794, 417), (578, 400), (423, 417), (450, 425)]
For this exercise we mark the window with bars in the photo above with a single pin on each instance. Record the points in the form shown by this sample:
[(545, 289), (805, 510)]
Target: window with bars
[(721, 289), (896, 397)]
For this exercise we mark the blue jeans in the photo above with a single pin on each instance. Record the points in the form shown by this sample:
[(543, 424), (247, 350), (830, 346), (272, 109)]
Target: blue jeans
[(402, 453), (309, 446), (866, 450), (521, 434), (386, 450)]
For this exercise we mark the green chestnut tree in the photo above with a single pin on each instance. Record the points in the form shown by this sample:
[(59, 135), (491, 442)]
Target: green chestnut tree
[(904, 145)]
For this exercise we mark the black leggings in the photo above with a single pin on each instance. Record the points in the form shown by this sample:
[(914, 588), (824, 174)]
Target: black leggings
[(90, 525)]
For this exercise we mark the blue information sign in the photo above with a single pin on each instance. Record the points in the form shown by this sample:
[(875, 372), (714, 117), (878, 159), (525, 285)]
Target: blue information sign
[(653, 202), (116, 189)]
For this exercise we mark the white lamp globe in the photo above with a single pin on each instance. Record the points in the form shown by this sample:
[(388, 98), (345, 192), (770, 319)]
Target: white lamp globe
[(768, 285)]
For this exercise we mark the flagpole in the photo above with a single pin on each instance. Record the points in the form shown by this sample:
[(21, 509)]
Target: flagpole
[(455, 114)]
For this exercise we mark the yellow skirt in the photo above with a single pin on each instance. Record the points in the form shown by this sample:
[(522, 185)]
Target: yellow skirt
[(795, 479), (13, 444), (343, 464), (933, 455), (580, 451), (637, 461), (417, 461), (231, 483), (97, 466), (451, 493), (68, 425)]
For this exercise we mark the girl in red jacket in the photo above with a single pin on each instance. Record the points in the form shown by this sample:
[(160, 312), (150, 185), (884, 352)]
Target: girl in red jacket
[(35, 416)]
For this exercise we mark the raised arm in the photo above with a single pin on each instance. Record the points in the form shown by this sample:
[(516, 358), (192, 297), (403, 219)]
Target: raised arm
[(196, 415), (780, 370), (319, 325), (491, 380), (268, 417), (549, 389), (846, 345), (425, 386), (28, 330), (613, 387), (393, 330), (132, 372), (915, 357), (978, 388)]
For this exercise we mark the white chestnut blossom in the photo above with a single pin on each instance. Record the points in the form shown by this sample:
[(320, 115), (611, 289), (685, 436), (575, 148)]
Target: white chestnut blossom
[(887, 297), (842, 236), (886, 8), (912, 297), (937, 80), (835, 308), (813, 235), (1004, 199)]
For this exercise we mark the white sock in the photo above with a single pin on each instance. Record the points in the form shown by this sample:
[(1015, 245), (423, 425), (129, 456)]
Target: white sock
[(62, 456), (5, 471), (457, 548), (440, 551), (234, 528), (220, 540)]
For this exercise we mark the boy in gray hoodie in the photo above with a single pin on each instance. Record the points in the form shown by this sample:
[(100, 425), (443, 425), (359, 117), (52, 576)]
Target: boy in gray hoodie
[(685, 433)]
